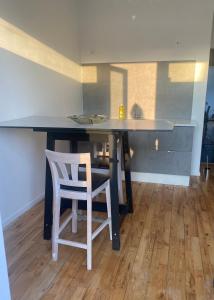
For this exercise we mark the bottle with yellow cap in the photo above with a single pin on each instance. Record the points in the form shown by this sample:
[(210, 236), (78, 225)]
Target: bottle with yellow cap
[(122, 112)]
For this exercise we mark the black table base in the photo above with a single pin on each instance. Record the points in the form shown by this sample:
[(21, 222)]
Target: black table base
[(117, 209)]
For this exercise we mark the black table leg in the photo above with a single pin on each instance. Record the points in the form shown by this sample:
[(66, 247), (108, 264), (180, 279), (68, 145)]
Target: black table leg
[(126, 160), (48, 192), (114, 193), (73, 146)]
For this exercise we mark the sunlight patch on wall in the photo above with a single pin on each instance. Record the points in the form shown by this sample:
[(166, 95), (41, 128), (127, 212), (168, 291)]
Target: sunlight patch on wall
[(181, 72), (18, 42), (116, 93), (89, 74), (139, 88), (201, 69)]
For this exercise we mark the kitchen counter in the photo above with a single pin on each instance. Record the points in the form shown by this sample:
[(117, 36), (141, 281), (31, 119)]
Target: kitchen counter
[(188, 123)]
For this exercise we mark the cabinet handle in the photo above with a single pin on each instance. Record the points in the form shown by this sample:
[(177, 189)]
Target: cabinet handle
[(156, 144)]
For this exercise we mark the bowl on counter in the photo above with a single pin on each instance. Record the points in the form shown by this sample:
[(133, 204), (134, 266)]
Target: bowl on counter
[(88, 119)]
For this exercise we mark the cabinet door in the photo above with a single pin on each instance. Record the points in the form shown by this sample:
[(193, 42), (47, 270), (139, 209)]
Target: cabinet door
[(173, 155), (162, 162), (180, 139)]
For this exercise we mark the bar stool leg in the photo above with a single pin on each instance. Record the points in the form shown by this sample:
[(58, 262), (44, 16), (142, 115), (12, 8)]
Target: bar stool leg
[(74, 215), (89, 233), (108, 202), (55, 228)]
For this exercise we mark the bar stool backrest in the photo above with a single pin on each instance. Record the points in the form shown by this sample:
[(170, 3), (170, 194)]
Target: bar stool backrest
[(65, 169)]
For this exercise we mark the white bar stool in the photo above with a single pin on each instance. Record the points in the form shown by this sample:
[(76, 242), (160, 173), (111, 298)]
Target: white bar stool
[(69, 183)]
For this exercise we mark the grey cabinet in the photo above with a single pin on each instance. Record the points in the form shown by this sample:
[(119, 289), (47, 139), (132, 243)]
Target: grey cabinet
[(172, 157)]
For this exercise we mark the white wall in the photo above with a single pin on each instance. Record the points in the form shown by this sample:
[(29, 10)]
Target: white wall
[(212, 37), (199, 94), (127, 31), (199, 100), (161, 30), (27, 88)]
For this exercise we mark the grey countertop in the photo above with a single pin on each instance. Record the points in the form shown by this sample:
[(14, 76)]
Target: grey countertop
[(184, 123), (110, 124)]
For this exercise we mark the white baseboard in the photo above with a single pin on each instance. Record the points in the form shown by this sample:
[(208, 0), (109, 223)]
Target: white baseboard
[(22, 210), (196, 174), (160, 178), (154, 177)]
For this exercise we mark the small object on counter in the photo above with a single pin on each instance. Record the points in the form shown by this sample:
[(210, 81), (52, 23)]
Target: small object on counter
[(122, 112), (88, 119)]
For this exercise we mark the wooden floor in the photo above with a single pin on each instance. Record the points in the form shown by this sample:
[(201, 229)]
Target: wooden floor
[(167, 251)]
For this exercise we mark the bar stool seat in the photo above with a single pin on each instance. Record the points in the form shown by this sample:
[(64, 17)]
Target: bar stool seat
[(96, 181)]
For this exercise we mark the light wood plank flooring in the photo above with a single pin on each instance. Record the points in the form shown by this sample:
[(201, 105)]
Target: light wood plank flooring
[(167, 251)]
